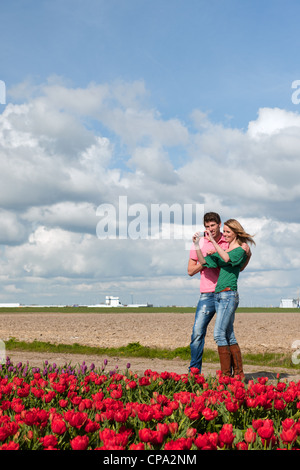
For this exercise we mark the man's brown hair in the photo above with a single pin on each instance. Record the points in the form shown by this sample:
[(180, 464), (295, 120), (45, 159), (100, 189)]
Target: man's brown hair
[(212, 217)]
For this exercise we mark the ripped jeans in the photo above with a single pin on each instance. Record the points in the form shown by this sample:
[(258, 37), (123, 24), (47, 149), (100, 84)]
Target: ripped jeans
[(226, 305), (204, 313)]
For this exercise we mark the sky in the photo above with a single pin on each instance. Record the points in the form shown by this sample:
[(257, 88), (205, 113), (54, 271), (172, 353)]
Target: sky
[(113, 108)]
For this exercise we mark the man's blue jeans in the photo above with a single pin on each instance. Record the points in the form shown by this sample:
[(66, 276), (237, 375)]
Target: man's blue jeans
[(226, 305), (204, 313)]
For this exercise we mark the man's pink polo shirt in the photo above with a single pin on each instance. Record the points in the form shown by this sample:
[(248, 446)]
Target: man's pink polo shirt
[(208, 276)]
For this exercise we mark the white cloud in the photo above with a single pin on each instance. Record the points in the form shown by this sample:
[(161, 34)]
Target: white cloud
[(12, 228), (154, 163), (72, 216), (272, 121)]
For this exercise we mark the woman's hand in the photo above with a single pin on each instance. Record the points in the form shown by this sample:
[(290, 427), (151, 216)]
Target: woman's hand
[(209, 236), (246, 247)]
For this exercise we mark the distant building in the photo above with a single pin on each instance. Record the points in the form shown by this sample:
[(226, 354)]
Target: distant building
[(289, 303), (112, 301), (139, 305), (9, 305)]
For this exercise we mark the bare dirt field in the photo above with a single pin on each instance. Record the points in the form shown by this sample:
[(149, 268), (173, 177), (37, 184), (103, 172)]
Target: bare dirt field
[(255, 332)]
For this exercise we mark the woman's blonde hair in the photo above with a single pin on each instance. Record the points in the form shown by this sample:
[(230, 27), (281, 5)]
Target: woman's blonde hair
[(241, 235)]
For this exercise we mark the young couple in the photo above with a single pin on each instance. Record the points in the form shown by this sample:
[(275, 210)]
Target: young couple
[(219, 257)]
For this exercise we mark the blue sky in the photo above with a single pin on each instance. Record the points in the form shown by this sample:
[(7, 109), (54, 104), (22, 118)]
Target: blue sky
[(163, 101), (225, 57)]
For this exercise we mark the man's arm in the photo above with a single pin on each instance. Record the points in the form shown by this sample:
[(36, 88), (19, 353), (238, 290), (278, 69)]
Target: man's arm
[(194, 267)]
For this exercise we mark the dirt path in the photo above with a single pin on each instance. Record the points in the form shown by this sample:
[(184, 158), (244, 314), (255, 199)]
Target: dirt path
[(139, 365)]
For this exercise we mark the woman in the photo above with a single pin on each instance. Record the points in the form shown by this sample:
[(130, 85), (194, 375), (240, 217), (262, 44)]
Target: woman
[(230, 263)]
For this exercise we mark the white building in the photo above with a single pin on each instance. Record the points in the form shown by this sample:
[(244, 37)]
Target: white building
[(289, 303), (112, 301), (9, 305)]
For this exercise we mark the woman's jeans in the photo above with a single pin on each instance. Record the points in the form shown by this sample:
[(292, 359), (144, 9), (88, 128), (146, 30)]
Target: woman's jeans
[(226, 304), (204, 313)]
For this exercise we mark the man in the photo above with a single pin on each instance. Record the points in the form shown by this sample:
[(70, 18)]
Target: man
[(209, 276)]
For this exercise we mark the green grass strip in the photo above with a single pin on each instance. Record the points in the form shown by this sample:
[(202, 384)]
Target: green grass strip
[(111, 310), (137, 350)]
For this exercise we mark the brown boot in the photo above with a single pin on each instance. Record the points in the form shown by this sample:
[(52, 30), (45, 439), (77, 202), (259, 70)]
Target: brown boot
[(237, 361), (225, 360)]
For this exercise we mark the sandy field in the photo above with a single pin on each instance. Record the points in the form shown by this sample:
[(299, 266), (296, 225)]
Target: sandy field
[(255, 332)]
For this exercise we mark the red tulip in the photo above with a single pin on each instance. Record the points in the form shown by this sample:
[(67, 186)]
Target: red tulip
[(10, 446), (250, 436), (139, 446), (288, 436), (146, 435), (226, 435), (209, 414), (58, 426), (287, 423), (267, 430), (49, 440), (80, 442), (173, 427)]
